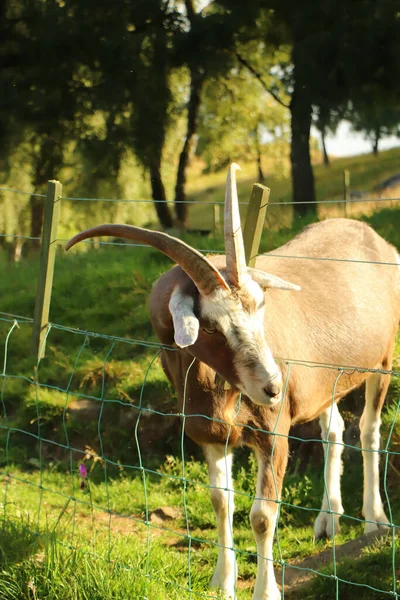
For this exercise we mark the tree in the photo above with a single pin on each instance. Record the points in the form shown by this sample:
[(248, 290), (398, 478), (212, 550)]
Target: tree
[(196, 78), (376, 115), (328, 64), (327, 120), (39, 104), (237, 114), (125, 56), (200, 47)]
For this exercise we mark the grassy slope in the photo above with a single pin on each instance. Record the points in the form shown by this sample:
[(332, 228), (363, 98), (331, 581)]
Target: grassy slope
[(365, 171), (105, 291)]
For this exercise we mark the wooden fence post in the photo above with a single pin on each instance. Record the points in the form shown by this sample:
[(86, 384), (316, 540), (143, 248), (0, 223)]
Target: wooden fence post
[(216, 218), (46, 267), (346, 189), (254, 224)]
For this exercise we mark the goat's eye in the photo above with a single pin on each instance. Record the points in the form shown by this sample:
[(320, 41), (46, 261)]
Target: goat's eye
[(209, 330)]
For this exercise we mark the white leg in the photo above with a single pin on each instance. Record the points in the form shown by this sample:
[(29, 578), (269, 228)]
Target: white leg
[(332, 427), (263, 517), (219, 460), (370, 422)]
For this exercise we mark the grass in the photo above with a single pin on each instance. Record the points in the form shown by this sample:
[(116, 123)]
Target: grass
[(376, 578), (60, 541), (105, 542), (366, 172)]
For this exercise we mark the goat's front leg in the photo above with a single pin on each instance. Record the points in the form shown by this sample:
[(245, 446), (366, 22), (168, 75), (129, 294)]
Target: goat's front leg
[(332, 427), (219, 460), (271, 468), (375, 393)]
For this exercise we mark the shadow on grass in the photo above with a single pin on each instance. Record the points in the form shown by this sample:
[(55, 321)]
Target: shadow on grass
[(18, 541)]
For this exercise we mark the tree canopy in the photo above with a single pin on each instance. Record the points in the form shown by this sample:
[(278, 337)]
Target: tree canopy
[(95, 82)]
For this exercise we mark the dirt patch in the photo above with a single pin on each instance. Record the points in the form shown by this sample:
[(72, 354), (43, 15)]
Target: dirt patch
[(128, 524), (299, 575), (117, 523), (165, 513), (183, 545)]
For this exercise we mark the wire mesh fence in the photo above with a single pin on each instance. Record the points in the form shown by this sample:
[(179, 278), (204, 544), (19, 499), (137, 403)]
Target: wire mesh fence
[(79, 483)]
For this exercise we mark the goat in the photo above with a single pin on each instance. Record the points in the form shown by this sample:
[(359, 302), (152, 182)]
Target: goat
[(230, 323)]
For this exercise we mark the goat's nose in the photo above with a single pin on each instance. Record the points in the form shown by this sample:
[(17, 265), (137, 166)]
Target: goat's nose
[(272, 389)]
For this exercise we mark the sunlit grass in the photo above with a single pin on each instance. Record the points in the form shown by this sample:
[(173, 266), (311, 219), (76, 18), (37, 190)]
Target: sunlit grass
[(53, 526), (366, 171), (59, 541)]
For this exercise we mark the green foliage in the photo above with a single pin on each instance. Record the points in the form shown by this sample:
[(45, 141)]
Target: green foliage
[(376, 115), (119, 105), (236, 115)]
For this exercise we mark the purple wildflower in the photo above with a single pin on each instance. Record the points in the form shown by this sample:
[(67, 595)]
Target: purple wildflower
[(83, 474)]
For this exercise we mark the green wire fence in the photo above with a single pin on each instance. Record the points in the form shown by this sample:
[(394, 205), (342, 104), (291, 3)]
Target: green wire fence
[(88, 482)]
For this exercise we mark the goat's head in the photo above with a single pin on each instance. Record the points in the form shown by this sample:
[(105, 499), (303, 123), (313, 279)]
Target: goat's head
[(228, 303)]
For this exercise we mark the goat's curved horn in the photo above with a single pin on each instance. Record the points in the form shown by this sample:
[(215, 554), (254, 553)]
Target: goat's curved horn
[(234, 246), (201, 271)]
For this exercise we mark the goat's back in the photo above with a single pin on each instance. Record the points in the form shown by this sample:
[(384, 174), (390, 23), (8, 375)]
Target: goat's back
[(348, 309)]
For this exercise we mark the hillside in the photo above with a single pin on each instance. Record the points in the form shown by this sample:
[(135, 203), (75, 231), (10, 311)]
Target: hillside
[(366, 172)]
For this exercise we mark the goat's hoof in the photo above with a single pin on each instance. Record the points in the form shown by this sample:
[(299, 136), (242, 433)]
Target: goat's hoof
[(326, 525), (272, 595), (227, 591), (380, 523), (225, 594)]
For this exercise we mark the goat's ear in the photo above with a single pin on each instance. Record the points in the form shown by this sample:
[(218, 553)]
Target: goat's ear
[(186, 324), (266, 280)]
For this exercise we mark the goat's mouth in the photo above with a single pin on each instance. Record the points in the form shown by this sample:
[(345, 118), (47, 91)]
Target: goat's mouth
[(266, 399), (265, 393), (263, 396)]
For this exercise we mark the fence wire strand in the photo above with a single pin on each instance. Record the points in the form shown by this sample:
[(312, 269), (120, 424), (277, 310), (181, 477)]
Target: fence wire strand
[(90, 496), (188, 536), (211, 202), (15, 191)]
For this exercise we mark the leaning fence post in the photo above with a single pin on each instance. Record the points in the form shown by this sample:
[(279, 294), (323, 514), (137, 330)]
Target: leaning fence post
[(46, 266), (346, 189), (254, 224)]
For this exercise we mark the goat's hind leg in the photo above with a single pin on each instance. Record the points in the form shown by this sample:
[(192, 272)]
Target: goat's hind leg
[(375, 393), (219, 460), (332, 427)]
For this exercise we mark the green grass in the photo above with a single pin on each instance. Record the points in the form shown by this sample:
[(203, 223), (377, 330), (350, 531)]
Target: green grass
[(103, 539), (366, 172), (375, 577), (59, 541)]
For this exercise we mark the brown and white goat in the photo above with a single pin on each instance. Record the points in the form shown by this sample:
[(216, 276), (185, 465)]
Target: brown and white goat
[(228, 320)]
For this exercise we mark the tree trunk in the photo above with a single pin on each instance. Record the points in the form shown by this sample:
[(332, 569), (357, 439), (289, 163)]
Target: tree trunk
[(324, 151), (17, 250), (302, 173), (159, 196), (376, 142), (37, 214), (181, 207), (261, 177), (48, 162)]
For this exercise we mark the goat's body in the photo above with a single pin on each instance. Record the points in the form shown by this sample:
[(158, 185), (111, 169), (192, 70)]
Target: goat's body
[(329, 323), (347, 315)]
